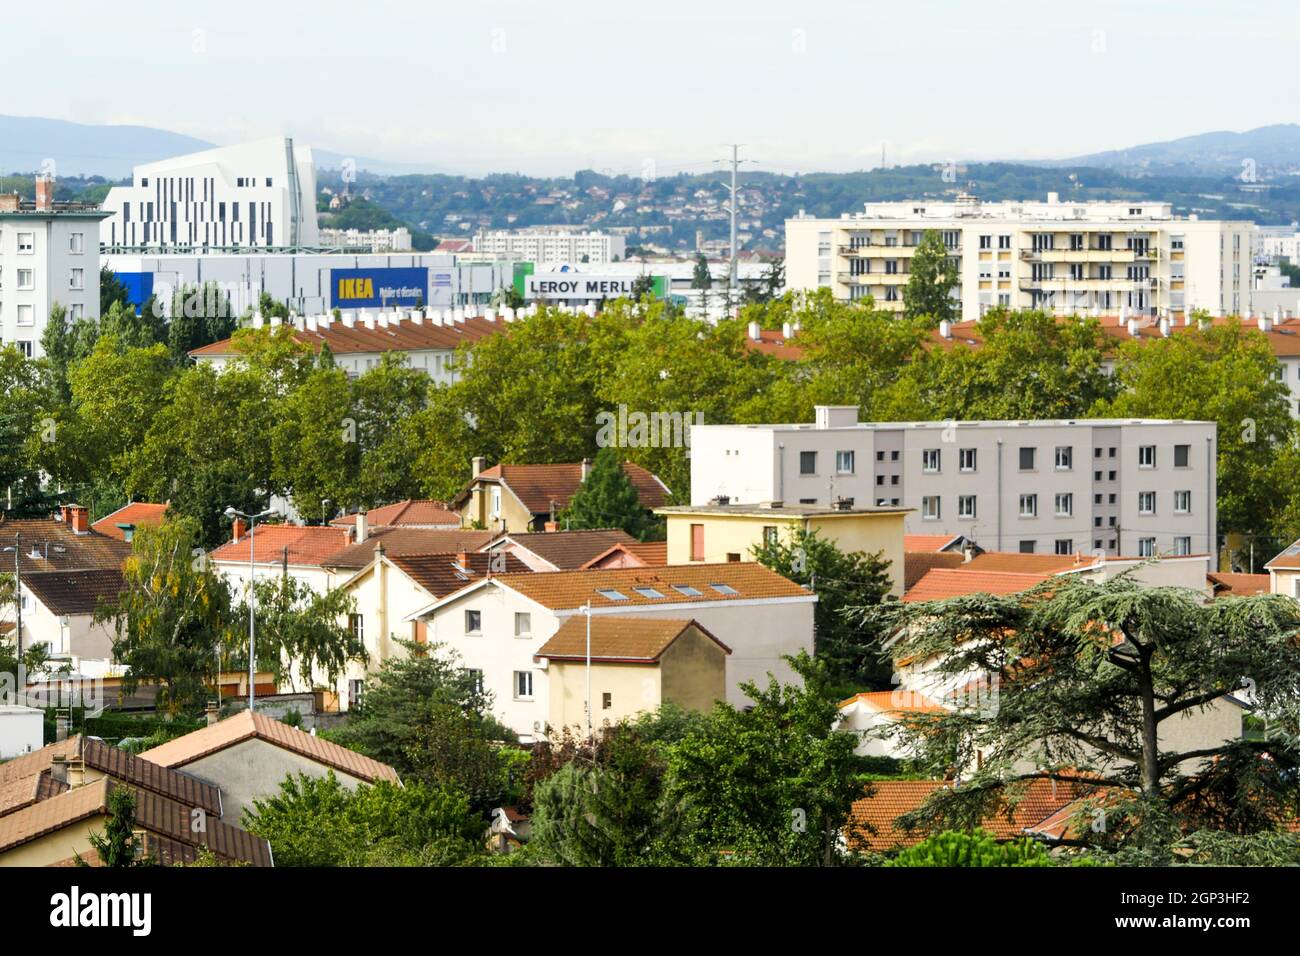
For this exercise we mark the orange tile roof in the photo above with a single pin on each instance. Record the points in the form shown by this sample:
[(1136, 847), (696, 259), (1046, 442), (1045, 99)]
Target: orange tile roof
[(1289, 558), (441, 574), (619, 638), (245, 726), (398, 541), (938, 584), (1230, 584), (308, 545), (650, 554), (397, 337), (420, 513), (774, 343), (897, 701), (1036, 801), (917, 563), (570, 550), (1030, 563), (135, 513), (928, 542), (543, 488), (567, 590)]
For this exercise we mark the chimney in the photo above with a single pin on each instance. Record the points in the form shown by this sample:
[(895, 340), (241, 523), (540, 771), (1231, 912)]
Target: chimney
[(237, 529), (967, 552), (363, 526), (44, 193), (586, 468), (61, 724), (1265, 323), (478, 465), (462, 558), (755, 332), (945, 329), (59, 768), (213, 712), (551, 526), (9, 202), (79, 518), (787, 330)]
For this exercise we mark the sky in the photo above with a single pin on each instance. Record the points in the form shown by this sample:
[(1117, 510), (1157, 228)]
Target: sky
[(661, 85)]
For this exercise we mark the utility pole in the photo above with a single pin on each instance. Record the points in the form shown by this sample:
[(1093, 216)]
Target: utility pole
[(731, 276), (18, 600)]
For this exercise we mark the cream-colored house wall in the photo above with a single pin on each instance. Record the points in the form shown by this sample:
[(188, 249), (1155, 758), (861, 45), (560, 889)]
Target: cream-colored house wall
[(1285, 581), (81, 638), (56, 847), (477, 510), (633, 689), (694, 671)]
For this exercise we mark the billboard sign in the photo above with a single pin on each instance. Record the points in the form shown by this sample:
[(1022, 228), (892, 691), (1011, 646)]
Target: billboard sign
[(378, 288), (583, 285)]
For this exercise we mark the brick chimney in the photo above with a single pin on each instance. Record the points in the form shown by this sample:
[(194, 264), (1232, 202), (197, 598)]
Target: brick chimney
[(551, 526), (44, 193), (237, 529), (462, 558), (79, 519)]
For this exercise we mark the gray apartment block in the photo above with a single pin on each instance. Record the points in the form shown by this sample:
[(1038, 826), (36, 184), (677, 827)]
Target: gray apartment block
[(1128, 487)]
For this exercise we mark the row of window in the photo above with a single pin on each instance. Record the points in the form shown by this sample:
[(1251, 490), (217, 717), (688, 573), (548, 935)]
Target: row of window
[(1062, 506), (967, 459), (27, 243), (26, 279), (1146, 547)]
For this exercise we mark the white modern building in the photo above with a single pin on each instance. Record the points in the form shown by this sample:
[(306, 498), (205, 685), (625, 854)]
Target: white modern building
[(1059, 256), (259, 195), (550, 245), (367, 240), (49, 255), (1123, 486)]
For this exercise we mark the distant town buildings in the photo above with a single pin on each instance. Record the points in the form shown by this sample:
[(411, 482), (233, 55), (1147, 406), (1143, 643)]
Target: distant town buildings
[(367, 240), (550, 244), (1059, 256)]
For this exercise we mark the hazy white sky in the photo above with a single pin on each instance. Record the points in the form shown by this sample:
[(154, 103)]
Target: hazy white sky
[(549, 87)]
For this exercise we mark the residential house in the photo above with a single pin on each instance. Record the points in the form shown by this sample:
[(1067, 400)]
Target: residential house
[(274, 549), (498, 624), (1283, 571), (411, 513), (636, 664), (399, 542), (507, 498), (121, 524), (872, 715), (22, 730), (632, 554), (247, 756), (722, 531), (59, 611), (559, 550)]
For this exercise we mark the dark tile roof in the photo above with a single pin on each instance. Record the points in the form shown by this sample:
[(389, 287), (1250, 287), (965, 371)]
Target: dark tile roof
[(399, 541), (544, 488), (74, 592), (66, 549), (570, 550), (440, 574)]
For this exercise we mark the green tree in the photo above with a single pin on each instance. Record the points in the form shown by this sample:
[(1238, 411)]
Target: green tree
[(607, 499), (303, 631), (977, 848), (315, 441), (21, 428), (387, 399), (172, 617), (701, 277), (928, 295), (200, 315), (843, 582), (118, 846), (111, 291), (1079, 679)]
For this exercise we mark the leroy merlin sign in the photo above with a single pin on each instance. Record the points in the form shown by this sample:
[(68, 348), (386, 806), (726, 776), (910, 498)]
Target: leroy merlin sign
[(584, 285)]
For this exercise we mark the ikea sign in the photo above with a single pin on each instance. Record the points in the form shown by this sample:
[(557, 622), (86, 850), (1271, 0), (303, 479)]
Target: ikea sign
[(378, 288)]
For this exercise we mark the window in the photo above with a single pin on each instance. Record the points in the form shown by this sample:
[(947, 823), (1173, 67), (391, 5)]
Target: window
[(1028, 547), (686, 590), (880, 456), (1064, 458), (523, 624), (475, 676), (1027, 456), (1096, 453), (355, 689), (76, 243), (27, 242), (26, 279), (357, 625), (930, 459), (844, 462), (26, 316), (733, 557), (1064, 505), (1182, 456), (930, 508), (606, 700), (1182, 545), (523, 685), (965, 506), (1146, 456), (473, 622), (610, 594), (1146, 547), (966, 459), (648, 592), (1029, 506), (697, 542), (1065, 546), (25, 347), (893, 455), (77, 279), (807, 462), (1182, 502), (1146, 502)]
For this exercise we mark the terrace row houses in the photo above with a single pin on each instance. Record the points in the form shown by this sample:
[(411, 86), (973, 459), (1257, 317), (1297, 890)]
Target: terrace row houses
[(1139, 487)]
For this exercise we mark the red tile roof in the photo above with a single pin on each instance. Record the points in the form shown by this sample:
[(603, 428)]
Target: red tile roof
[(58, 547), (569, 550), (897, 701), (543, 488), (1229, 584), (1290, 558), (646, 554), (917, 563), (248, 726), (441, 574), (938, 584), (620, 638), (398, 541), (136, 513), (397, 337), (74, 592), (1019, 563), (928, 542), (420, 513), (308, 545)]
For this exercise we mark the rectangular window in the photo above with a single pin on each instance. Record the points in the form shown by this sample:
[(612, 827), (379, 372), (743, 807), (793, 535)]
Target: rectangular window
[(844, 462), (965, 506), (1064, 505), (1146, 547), (1029, 506), (357, 625), (966, 459), (26, 279), (76, 243), (523, 685), (475, 676), (930, 507), (473, 622), (523, 624), (930, 460), (26, 315), (807, 462), (26, 242), (1065, 546), (1182, 545), (1182, 502), (1146, 502), (1027, 456), (1183, 455), (77, 279), (606, 700), (1064, 458), (697, 542), (1028, 547), (1146, 456)]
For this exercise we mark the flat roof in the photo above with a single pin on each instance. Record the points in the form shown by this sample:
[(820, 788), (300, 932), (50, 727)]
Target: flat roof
[(780, 511), (999, 423)]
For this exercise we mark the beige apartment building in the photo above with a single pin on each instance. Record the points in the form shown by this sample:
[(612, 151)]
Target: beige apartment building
[(1058, 256), (1136, 487)]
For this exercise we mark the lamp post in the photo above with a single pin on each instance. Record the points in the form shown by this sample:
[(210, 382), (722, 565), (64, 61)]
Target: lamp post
[(18, 598), (232, 513), (586, 609)]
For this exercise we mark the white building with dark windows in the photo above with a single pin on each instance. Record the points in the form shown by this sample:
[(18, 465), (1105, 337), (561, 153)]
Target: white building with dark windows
[(1136, 487), (49, 255), (259, 195), (549, 245)]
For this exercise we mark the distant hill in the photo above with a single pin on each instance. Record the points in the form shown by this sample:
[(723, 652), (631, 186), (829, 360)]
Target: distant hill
[(1275, 150), (80, 149)]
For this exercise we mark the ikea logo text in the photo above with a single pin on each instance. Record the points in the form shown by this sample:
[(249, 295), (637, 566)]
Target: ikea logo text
[(356, 289)]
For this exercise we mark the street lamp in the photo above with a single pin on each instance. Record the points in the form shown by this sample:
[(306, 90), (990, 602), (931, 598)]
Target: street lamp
[(18, 599), (586, 609), (232, 513)]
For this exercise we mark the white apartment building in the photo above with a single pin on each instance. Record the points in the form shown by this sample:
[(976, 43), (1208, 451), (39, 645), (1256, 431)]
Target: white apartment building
[(1120, 487), (49, 255), (550, 245), (259, 195), (367, 240), (1058, 256), (1276, 242)]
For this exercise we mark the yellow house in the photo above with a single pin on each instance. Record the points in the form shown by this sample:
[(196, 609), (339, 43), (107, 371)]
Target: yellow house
[(705, 534), (1284, 572), (637, 664)]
